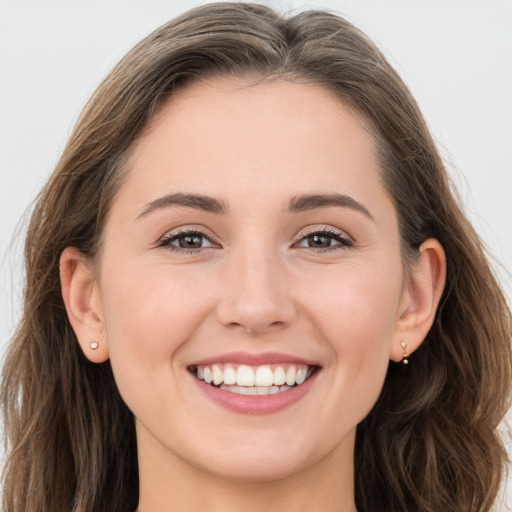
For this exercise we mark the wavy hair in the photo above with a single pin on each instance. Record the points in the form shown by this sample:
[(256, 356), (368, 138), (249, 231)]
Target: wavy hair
[(429, 444)]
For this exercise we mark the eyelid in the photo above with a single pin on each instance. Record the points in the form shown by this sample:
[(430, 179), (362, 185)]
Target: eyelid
[(171, 235), (346, 241), (323, 228)]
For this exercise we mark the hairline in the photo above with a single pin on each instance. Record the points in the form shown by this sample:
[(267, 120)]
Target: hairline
[(121, 165)]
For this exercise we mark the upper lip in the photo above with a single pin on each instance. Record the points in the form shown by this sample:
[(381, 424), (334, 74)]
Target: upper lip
[(249, 359)]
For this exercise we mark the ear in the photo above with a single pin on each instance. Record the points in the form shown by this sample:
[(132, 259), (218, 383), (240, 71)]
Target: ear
[(82, 300), (421, 295)]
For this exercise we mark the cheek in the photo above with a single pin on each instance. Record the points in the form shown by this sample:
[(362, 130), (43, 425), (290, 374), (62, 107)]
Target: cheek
[(356, 305), (356, 312), (149, 312)]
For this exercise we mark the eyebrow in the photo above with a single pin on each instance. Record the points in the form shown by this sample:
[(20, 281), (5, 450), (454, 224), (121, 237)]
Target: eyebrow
[(310, 202), (198, 202), (296, 204)]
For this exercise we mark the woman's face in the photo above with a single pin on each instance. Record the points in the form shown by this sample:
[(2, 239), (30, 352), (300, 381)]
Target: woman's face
[(252, 241)]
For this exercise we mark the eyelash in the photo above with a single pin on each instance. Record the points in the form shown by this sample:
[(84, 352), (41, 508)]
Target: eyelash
[(167, 240), (344, 241)]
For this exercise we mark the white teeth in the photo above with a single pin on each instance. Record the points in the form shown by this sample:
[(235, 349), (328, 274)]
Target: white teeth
[(255, 390), (207, 375), (261, 377), (290, 376), (264, 376), (301, 375), (229, 375), (245, 376), (218, 375), (279, 376)]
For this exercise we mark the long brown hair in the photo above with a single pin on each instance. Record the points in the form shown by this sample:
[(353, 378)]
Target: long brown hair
[(429, 444)]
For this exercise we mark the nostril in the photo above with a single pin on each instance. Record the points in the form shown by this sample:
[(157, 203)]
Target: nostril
[(254, 327)]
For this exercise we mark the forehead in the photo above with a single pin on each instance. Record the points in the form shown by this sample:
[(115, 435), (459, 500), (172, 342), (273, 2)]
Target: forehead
[(229, 128), (253, 149)]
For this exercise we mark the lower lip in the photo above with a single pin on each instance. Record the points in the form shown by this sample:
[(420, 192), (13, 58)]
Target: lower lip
[(256, 404)]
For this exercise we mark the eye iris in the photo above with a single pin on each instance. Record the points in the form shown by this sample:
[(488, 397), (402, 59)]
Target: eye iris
[(320, 241), (191, 241)]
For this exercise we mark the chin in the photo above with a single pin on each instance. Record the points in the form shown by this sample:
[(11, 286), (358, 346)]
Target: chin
[(261, 456), (257, 469)]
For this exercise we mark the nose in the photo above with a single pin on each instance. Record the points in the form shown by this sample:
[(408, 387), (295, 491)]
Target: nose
[(255, 295)]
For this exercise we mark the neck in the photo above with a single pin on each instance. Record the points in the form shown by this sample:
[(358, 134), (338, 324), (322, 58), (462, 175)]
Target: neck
[(170, 483)]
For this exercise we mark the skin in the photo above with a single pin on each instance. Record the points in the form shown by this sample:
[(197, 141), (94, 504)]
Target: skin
[(256, 286)]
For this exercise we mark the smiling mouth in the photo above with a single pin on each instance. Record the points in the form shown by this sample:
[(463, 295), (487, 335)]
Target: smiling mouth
[(253, 380)]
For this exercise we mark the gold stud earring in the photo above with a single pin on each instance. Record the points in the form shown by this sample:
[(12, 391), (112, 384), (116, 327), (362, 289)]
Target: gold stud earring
[(94, 345), (405, 355)]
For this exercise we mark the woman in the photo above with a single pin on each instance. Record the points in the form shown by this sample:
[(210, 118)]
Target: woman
[(249, 287)]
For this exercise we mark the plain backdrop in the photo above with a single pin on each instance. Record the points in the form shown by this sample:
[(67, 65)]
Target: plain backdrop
[(455, 55)]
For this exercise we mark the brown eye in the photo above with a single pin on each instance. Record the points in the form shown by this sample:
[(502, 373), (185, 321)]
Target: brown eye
[(319, 241), (325, 240), (186, 241), (190, 241)]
